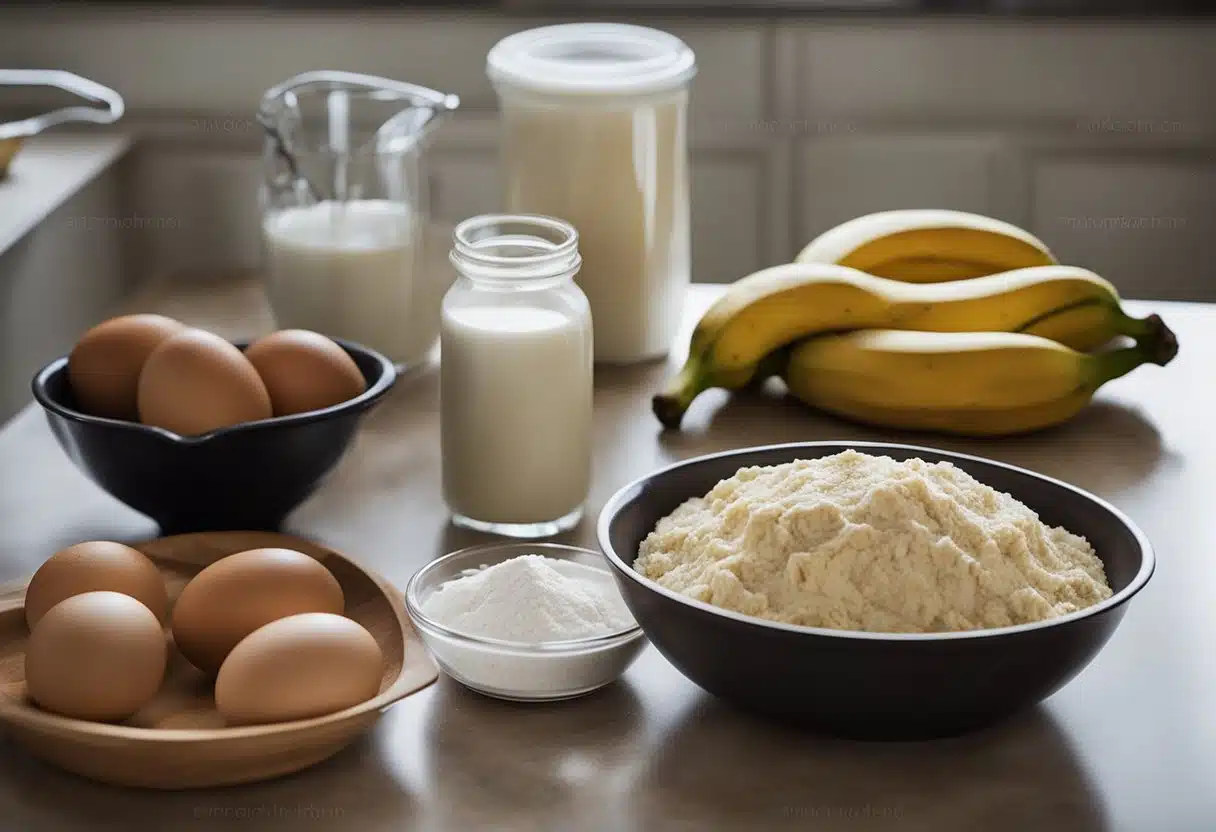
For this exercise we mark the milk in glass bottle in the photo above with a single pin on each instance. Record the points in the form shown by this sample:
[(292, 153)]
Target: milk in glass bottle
[(516, 378)]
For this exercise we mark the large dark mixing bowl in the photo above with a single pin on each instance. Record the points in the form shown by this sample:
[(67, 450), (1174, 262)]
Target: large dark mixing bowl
[(872, 685), (246, 477)]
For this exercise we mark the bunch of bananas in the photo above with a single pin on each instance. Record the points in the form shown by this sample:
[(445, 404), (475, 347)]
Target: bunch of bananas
[(928, 320)]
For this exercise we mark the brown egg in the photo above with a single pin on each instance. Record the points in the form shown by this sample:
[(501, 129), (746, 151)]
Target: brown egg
[(92, 566), (299, 667), (304, 371), (240, 593), (97, 655), (196, 382), (104, 366)]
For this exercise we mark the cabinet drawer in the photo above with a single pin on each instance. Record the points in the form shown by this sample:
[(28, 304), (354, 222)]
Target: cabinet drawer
[(1147, 226), (842, 179), (1018, 74)]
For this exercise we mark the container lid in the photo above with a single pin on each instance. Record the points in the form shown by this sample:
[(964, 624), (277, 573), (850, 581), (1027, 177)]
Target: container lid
[(592, 59)]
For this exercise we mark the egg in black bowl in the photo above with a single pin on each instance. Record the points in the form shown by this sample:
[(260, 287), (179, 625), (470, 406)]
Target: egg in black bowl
[(248, 476), (871, 685)]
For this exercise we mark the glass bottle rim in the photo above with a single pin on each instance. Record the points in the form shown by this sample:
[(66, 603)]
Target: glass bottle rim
[(515, 247)]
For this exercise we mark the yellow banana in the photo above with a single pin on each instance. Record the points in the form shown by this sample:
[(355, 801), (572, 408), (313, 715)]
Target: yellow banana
[(928, 246), (774, 307), (968, 383), (977, 422), (1087, 326)]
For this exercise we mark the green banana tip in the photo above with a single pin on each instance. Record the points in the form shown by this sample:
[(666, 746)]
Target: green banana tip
[(671, 404), (669, 410), (1158, 346)]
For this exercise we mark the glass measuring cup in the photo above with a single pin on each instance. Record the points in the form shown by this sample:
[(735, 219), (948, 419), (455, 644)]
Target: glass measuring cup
[(344, 208)]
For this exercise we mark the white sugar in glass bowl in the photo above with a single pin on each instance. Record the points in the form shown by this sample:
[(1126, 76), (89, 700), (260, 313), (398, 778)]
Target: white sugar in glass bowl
[(517, 671)]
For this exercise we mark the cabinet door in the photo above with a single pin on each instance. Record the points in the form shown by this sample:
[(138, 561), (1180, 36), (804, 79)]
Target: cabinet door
[(202, 208), (464, 183), (847, 177), (60, 279), (730, 210), (1147, 225), (1004, 73)]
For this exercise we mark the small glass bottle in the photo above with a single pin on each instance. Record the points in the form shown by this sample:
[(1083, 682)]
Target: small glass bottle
[(516, 378)]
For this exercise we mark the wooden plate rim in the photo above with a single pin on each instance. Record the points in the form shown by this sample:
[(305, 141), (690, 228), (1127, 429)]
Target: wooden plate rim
[(403, 686)]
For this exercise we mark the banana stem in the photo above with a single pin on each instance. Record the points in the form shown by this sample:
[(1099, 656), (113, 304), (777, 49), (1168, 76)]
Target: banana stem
[(1157, 345), (1139, 329), (1111, 365), (671, 405), (1132, 327)]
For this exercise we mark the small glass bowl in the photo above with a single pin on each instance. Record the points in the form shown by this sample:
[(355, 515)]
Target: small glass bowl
[(513, 670)]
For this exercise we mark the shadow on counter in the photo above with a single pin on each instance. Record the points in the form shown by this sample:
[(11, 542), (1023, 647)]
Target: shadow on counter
[(1105, 449), (522, 766), (455, 537), (352, 790), (720, 769)]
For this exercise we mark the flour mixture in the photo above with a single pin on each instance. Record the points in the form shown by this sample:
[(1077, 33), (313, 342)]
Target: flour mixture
[(857, 542)]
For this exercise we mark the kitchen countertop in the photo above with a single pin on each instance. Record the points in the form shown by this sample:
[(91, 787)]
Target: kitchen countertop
[(1128, 745)]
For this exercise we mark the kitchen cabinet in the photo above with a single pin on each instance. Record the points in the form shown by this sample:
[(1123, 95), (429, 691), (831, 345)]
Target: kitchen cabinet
[(841, 178), (795, 125), (725, 187), (63, 253), (445, 51), (1057, 73), (464, 183), (206, 201), (1145, 224)]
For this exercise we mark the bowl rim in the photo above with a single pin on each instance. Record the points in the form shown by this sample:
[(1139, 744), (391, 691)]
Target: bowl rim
[(374, 391), (630, 491), (413, 605)]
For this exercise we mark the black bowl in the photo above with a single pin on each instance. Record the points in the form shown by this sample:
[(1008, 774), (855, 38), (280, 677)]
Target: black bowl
[(249, 476), (871, 685)]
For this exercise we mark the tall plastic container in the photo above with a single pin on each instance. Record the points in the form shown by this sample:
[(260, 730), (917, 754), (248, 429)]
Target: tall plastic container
[(594, 130)]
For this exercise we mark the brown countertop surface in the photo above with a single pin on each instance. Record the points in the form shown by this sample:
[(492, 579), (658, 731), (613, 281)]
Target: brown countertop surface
[(1130, 744)]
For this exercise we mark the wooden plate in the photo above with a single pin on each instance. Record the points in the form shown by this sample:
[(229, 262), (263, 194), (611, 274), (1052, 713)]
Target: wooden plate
[(178, 740)]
